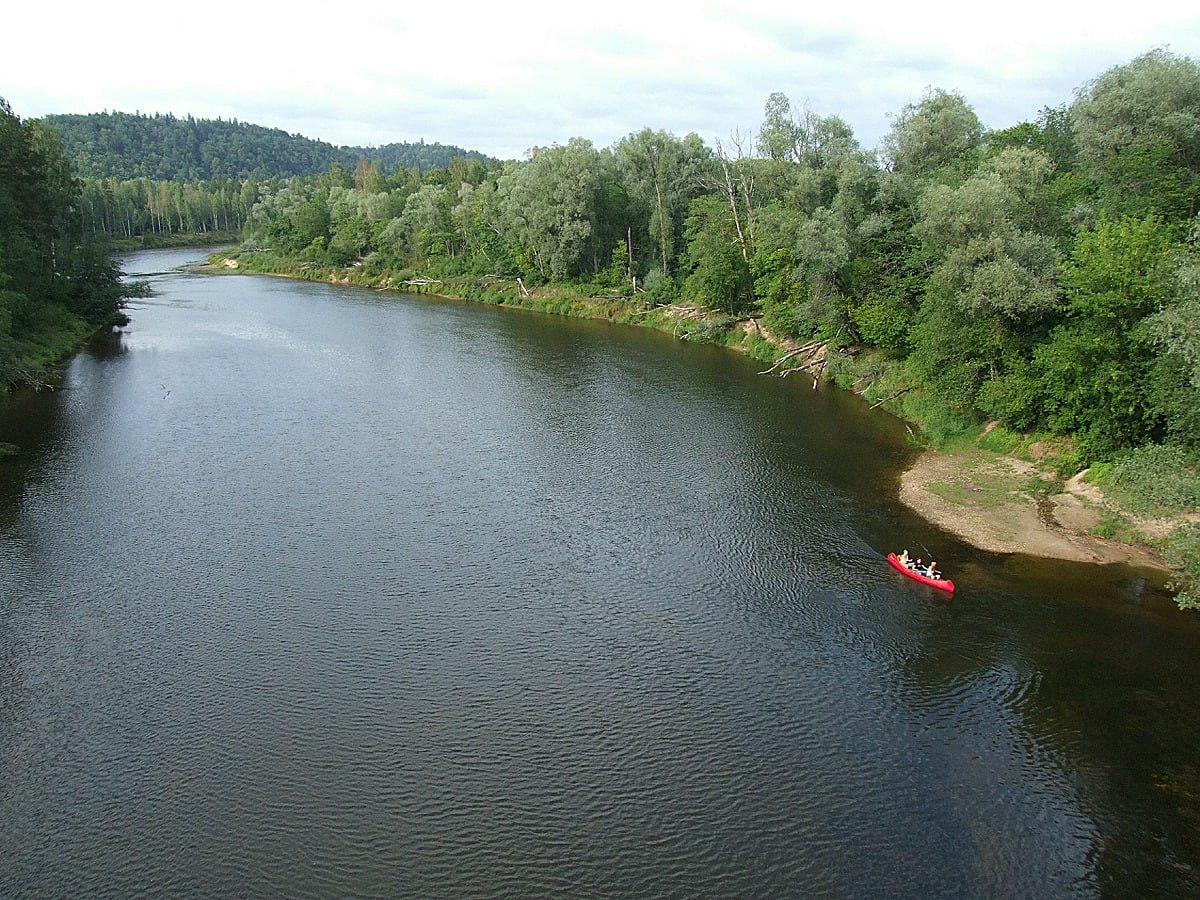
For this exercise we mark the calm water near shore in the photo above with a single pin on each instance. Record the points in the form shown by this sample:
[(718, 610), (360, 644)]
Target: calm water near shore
[(314, 591)]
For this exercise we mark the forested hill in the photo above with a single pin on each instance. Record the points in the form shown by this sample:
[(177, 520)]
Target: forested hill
[(167, 148)]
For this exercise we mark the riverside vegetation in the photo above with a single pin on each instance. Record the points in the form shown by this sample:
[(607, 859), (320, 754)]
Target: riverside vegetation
[(1033, 290), (59, 281)]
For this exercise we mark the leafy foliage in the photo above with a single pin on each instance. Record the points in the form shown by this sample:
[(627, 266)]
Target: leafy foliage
[(720, 275), (1155, 480), (938, 132), (57, 280), (1095, 366), (1138, 131)]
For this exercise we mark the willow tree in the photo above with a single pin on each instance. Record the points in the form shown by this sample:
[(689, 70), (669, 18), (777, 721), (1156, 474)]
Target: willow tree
[(939, 131), (548, 208), (1138, 131), (992, 289)]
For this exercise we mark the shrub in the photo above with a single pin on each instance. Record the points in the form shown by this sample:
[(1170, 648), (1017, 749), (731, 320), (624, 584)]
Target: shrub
[(1155, 479), (1183, 551), (883, 322)]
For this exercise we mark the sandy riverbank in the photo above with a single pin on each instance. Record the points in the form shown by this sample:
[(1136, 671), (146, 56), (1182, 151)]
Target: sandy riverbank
[(987, 502)]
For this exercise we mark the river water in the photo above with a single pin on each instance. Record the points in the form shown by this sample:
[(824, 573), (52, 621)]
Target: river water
[(314, 591)]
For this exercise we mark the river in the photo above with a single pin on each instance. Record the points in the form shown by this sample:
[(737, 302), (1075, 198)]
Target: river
[(308, 590)]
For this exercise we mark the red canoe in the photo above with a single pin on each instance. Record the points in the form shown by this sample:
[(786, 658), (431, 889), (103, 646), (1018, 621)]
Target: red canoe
[(942, 584)]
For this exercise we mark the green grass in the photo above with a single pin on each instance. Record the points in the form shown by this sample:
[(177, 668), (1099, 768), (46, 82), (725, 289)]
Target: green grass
[(1000, 440)]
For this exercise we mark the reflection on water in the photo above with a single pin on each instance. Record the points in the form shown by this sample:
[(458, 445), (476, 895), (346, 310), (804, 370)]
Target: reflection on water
[(307, 590)]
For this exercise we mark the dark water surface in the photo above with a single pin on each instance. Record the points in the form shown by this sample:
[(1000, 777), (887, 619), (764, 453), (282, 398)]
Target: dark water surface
[(314, 591)]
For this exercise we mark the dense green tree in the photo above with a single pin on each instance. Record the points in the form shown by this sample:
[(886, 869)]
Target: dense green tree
[(1095, 367), (719, 275), (1138, 131), (427, 222), (989, 261), (549, 206), (57, 278), (780, 134), (809, 235), (1176, 327), (939, 132)]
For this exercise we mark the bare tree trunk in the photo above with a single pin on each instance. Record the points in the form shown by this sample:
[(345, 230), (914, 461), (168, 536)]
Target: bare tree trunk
[(728, 188), (629, 249)]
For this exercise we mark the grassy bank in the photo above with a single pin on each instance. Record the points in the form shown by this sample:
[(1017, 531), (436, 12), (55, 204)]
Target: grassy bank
[(44, 345)]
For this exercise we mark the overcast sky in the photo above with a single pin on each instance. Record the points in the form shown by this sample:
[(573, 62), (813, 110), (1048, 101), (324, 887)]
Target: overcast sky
[(504, 77)]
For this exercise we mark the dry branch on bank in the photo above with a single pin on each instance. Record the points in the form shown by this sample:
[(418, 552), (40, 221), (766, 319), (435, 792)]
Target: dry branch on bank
[(890, 398), (812, 348)]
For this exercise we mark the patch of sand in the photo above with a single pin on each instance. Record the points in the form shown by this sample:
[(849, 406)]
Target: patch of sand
[(942, 488)]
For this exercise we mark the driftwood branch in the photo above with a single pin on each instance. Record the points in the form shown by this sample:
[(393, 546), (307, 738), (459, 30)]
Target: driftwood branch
[(887, 399), (27, 376), (821, 371), (817, 366)]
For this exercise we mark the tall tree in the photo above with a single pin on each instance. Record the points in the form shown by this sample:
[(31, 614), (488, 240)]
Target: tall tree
[(939, 131), (1095, 366), (56, 277), (549, 207), (1138, 131), (663, 174)]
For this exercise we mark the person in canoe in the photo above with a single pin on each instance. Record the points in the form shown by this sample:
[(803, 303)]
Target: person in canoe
[(917, 570)]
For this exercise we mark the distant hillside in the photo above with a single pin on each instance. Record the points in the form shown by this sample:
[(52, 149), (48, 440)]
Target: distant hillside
[(166, 148)]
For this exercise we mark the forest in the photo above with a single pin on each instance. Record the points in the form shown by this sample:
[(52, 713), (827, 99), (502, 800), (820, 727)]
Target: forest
[(161, 175), (59, 281), (163, 147)]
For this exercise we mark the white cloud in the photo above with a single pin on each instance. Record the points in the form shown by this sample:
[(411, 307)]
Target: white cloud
[(503, 78)]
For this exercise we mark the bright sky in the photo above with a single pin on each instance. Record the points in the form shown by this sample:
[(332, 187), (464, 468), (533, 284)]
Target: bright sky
[(504, 77)]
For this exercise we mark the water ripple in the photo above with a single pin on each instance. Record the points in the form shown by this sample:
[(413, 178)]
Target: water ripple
[(428, 600)]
